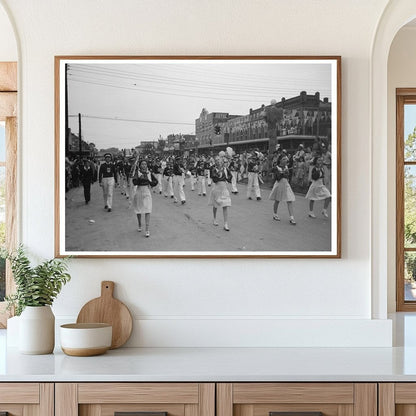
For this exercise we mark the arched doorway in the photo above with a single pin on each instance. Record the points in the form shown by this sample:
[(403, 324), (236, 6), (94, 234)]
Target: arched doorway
[(8, 150)]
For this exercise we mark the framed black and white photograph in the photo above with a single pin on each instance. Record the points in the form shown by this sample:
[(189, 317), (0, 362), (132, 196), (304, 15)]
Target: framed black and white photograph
[(198, 156)]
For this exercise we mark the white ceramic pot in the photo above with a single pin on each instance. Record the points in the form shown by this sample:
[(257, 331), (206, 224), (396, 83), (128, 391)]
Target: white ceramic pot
[(37, 330), (85, 339)]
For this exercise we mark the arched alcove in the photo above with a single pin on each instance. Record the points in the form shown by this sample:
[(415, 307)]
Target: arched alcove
[(401, 74), (8, 139), (8, 44), (396, 15)]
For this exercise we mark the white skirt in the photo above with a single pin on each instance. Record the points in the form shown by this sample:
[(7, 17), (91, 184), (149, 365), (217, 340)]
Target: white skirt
[(142, 200), (220, 196), (282, 191), (318, 191)]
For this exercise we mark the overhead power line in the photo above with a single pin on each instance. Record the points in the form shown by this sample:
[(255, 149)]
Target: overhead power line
[(231, 91), (265, 84), (186, 78), (131, 120), (207, 72), (217, 98)]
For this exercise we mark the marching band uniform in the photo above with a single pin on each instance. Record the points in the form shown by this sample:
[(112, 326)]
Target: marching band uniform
[(193, 176), (142, 201), (121, 176), (87, 171), (107, 179), (200, 172), (157, 171), (167, 181), (178, 182), (327, 169), (220, 196), (282, 191), (127, 167), (207, 167), (253, 179), (143, 179), (318, 191), (233, 169)]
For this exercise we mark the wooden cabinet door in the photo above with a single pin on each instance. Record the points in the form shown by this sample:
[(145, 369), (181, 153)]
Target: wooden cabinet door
[(397, 399), (143, 399), (26, 399), (297, 399)]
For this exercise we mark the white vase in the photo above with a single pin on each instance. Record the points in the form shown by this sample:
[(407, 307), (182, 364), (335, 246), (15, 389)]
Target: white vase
[(37, 330), (12, 334)]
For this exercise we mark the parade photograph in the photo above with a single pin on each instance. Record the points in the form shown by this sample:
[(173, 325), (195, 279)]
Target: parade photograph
[(197, 156)]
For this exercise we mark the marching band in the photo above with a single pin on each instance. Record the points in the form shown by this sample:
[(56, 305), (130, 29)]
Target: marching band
[(139, 175)]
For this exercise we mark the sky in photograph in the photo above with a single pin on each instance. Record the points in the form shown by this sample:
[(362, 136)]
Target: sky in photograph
[(125, 103)]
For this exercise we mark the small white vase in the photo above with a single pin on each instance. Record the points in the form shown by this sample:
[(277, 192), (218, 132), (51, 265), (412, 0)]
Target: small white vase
[(37, 330)]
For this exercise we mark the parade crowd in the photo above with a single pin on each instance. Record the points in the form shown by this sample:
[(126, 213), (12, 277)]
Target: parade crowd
[(306, 171)]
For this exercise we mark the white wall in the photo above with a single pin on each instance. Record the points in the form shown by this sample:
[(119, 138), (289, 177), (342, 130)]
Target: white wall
[(8, 46), (401, 74), (212, 302)]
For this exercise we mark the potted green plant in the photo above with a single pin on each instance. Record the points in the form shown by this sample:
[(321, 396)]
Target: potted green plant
[(36, 289)]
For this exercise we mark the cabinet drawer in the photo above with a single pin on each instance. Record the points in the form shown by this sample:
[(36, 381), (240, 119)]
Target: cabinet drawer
[(138, 393), (296, 399), (19, 393), (146, 399), (21, 399), (397, 399)]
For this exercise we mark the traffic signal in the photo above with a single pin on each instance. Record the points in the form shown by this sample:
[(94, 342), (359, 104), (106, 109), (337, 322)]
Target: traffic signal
[(217, 130)]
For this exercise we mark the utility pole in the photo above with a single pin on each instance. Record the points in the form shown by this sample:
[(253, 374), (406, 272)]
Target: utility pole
[(249, 124), (80, 136), (318, 116)]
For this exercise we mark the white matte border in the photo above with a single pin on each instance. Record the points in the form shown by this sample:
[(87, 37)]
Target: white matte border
[(213, 254)]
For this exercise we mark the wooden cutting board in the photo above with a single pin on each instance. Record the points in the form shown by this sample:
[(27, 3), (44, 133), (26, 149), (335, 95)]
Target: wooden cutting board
[(107, 309)]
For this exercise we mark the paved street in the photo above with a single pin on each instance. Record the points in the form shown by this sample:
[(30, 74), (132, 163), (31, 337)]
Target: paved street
[(176, 227)]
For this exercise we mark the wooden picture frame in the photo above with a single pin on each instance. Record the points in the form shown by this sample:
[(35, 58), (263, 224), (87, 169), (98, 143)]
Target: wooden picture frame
[(270, 125)]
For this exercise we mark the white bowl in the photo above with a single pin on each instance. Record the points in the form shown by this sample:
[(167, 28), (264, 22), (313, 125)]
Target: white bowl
[(84, 340)]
